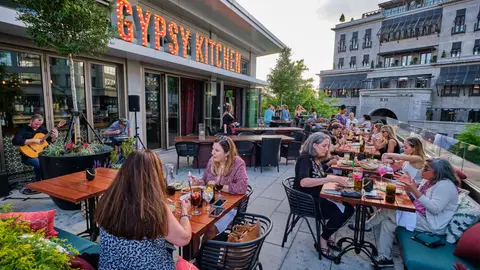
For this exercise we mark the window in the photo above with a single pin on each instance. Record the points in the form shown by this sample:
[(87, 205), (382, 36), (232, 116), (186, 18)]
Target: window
[(476, 47), (104, 96), (450, 91), (425, 58), (476, 26), (328, 92), (389, 61), (367, 39), (340, 63), (474, 116), (366, 59), (354, 42), (244, 66), (341, 93), (402, 82), (6, 58), (459, 22), (456, 49), (385, 83), (429, 115), (355, 92), (341, 45), (28, 60), (353, 61), (422, 82), (475, 90), (447, 115), (406, 60)]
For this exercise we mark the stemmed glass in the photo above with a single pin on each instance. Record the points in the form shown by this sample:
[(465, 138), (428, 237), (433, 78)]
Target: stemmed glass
[(196, 201), (208, 196), (382, 170), (218, 188)]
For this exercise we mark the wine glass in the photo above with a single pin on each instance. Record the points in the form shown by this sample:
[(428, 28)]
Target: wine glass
[(218, 188), (196, 201), (208, 196), (382, 170)]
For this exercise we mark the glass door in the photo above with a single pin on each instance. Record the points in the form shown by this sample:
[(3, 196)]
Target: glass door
[(153, 101), (212, 108), (173, 107)]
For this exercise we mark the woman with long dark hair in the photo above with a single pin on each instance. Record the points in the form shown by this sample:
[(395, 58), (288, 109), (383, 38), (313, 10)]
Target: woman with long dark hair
[(135, 221)]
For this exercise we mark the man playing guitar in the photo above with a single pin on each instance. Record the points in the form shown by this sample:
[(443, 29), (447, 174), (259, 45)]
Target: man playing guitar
[(25, 136)]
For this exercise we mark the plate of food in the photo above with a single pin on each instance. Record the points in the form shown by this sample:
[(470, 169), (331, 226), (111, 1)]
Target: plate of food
[(180, 186), (344, 162), (368, 165), (187, 189)]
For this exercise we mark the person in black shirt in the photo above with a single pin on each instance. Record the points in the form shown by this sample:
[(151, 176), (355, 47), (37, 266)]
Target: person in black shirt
[(228, 119), (310, 178), (25, 135)]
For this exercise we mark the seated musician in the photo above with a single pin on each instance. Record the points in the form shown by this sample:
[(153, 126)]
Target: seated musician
[(119, 129), (25, 136)]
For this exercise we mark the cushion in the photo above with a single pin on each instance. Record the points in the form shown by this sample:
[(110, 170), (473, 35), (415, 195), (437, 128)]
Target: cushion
[(468, 246), (78, 262), (460, 174), (79, 243), (184, 265), (467, 213), (418, 256), (38, 220)]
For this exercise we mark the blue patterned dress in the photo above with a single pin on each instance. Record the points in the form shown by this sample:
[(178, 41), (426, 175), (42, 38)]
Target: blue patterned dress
[(119, 253)]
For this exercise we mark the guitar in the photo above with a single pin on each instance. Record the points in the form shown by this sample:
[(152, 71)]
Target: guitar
[(33, 149)]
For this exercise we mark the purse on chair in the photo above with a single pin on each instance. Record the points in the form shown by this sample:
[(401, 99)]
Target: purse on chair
[(244, 232)]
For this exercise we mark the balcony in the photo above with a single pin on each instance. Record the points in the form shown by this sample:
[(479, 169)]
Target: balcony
[(354, 46), (367, 44), (342, 48), (476, 26), (459, 29)]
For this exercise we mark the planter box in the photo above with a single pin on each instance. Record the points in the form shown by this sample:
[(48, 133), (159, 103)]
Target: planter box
[(57, 166)]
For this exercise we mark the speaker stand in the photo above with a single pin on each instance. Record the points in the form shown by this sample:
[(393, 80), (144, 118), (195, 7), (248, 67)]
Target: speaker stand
[(73, 116), (137, 136)]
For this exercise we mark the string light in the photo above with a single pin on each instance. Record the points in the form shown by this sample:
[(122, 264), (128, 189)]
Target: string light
[(212, 46), (185, 35), (173, 32), (144, 22), (198, 48), (206, 50), (121, 23), (160, 29), (218, 50), (238, 62), (232, 60), (226, 56)]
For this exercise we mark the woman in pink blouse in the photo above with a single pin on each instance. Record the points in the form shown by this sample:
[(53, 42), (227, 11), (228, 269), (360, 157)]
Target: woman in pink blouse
[(226, 167)]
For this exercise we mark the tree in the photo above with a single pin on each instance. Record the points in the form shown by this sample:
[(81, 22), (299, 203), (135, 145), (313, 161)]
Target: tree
[(342, 18), (351, 19), (469, 145), (70, 27)]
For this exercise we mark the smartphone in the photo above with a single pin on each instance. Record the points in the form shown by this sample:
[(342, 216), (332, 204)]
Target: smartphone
[(332, 191), (217, 212), (219, 203), (374, 197)]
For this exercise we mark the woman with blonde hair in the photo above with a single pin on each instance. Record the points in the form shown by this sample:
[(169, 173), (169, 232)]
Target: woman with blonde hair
[(413, 158), (390, 143), (135, 221), (229, 121)]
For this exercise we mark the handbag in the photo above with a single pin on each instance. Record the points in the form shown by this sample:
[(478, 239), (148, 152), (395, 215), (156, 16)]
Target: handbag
[(428, 239), (244, 232)]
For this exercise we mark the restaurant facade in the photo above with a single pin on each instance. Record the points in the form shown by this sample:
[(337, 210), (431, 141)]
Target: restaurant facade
[(184, 60)]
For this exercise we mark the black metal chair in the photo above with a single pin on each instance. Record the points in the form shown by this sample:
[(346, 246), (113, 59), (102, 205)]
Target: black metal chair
[(291, 151), (246, 133), (243, 204), (209, 131), (192, 134), (270, 132), (221, 134), (270, 153), (302, 205), (187, 149), (247, 148), (218, 255), (298, 136)]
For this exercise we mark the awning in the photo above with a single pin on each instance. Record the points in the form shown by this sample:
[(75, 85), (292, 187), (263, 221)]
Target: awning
[(459, 75), (413, 21), (343, 81)]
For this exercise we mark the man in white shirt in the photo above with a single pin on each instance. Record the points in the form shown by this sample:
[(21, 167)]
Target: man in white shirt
[(351, 119)]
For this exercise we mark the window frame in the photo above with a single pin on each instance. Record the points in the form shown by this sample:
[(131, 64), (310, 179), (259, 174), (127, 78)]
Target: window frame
[(474, 90), (459, 26), (456, 51), (450, 92), (353, 62)]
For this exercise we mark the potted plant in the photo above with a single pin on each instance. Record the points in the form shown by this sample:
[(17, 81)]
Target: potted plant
[(444, 54), (23, 248), (415, 60), (434, 59)]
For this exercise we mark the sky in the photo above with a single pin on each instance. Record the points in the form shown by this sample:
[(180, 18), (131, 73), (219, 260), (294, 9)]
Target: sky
[(305, 26)]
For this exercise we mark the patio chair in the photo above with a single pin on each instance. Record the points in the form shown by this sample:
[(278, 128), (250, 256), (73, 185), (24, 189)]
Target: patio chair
[(187, 149), (218, 255), (209, 131), (299, 136), (246, 133), (291, 151), (192, 134), (243, 204), (247, 148), (270, 132), (302, 205), (270, 153)]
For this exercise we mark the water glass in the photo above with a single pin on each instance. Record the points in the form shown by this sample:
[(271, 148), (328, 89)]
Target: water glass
[(208, 196)]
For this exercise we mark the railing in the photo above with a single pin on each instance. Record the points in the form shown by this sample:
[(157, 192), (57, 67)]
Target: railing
[(461, 155), (342, 48), (367, 44), (459, 28)]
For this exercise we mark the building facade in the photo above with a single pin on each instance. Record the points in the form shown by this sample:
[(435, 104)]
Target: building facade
[(415, 60), (184, 59)]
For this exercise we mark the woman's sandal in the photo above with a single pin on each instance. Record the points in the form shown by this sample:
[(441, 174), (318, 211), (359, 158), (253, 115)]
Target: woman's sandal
[(326, 252), (331, 244)]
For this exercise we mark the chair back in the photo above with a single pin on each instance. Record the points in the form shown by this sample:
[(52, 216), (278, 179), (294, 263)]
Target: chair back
[(187, 149), (294, 149), (299, 136), (270, 151), (221, 134), (209, 131), (308, 128), (270, 132), (246, 133), (301, 203), (245, 148), (243, 204), (229, 255)]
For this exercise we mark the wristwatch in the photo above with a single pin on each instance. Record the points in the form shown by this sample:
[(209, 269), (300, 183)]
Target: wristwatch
[(185, 215)]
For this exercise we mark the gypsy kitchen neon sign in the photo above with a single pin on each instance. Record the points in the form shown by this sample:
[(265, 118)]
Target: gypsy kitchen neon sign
[(204, 50)]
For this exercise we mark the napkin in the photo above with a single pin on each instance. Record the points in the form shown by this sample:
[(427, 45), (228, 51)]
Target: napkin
[(407, 220)]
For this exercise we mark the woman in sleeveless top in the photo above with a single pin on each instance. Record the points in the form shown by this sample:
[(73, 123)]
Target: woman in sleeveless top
[(135, 221), (390, 143), (412, 159), (228, 119)]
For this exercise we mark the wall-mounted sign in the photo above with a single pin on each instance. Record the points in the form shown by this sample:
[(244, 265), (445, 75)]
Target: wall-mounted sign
[(383, 99), (203, 49)]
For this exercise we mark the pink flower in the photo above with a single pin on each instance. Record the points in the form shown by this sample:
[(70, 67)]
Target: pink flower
[(69, 145)]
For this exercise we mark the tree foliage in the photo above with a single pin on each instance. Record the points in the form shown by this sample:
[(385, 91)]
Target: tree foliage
[(342, 18), (469, 145), (287, 86)]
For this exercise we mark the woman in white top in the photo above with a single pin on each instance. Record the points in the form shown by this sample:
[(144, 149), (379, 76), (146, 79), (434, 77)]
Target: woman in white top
[(412, 158), (436, 201)]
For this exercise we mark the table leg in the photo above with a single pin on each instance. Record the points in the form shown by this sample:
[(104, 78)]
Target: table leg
[(92, 230)]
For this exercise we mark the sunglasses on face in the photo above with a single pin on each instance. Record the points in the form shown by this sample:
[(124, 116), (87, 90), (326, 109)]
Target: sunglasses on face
[(384, 131), (427, 169)]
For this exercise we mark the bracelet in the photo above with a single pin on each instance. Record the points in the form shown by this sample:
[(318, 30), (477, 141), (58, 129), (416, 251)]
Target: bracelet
[(185, 215)]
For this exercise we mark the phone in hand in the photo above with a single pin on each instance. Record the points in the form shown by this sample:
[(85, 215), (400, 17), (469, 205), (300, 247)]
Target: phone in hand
[(216, 211), (374, 197), (219, 203)]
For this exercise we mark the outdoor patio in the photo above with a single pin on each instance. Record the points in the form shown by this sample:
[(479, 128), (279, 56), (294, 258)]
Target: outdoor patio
[(268, 199)]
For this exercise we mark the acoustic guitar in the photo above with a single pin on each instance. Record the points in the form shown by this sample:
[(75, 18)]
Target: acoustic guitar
[(33, 149)]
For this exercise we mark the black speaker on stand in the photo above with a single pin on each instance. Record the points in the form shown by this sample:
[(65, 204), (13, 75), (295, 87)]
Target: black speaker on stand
[(4, 186), (134, 106)]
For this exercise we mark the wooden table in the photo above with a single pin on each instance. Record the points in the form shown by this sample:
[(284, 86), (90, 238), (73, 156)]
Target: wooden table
[(205, 152), (280, 123), (350, 169), (279, 130), (202, 222), (349, 149), (75, 188), (358, 243)]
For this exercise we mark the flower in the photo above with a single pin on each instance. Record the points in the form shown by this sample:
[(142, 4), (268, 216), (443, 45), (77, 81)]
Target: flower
[(69, 145)]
